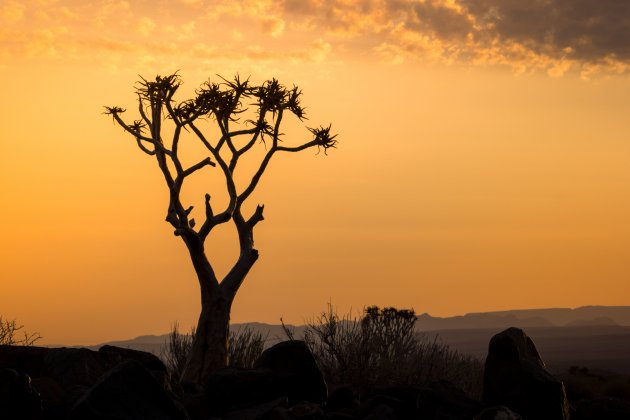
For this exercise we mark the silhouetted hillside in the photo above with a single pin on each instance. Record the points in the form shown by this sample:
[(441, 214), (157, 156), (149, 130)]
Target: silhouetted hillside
[(594, 336), (527, 318)]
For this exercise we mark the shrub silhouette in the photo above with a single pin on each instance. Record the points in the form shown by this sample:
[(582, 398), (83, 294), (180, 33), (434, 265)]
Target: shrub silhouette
[(9, 334), (382, 348)]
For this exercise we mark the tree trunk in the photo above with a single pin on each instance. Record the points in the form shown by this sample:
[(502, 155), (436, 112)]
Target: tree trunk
[(209, 347), (209, 350)]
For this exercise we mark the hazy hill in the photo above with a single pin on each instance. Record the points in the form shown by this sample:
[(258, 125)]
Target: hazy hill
[(594, 336), (586, 316), (528, 318)]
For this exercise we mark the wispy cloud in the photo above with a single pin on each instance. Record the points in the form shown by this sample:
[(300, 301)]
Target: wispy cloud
[(556, 36)]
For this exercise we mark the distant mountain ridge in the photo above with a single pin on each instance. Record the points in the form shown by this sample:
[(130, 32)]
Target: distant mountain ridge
[(527, 318), (585, 316)]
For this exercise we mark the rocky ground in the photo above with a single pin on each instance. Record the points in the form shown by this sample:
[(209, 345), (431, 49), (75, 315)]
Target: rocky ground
[(285, 384)]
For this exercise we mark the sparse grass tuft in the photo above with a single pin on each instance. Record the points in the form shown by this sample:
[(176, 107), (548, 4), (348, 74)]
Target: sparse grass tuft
[(244, 347)]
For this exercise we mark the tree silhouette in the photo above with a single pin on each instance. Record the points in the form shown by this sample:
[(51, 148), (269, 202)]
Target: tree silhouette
[(217, 105)]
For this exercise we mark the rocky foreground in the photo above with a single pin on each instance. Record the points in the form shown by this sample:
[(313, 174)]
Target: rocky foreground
[(285, 384)]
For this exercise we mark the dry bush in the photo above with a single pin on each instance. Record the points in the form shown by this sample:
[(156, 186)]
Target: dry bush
[(11, 333), (244, 347), (382, 348)]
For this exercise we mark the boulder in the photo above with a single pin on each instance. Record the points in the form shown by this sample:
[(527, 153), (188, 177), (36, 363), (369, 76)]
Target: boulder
[(515, 376), (230, 389), (497, 413), (18, 400), (62, 375), (401, 399), (27, 359), (602, 408), (257, 412), (150, 361), (127, 392), (119, 354), (287, 369), (76, 366), (441, 400), (71, 367), (56, 402), (306, 410), (342, 397), (381, 412), (295, 371)]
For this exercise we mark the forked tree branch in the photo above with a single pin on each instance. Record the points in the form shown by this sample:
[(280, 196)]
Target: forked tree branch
[(221, 103)]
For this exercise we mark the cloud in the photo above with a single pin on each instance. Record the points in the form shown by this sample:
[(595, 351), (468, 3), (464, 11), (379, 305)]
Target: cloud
[(273, 26), (555, 35), (11, 12), (145, 26), (592, 30)]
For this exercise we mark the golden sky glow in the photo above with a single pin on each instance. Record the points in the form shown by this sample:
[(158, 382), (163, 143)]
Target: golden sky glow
[(483, 161)]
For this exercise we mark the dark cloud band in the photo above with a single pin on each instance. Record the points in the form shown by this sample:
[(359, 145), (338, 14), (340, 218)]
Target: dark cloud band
[(588, 30), (584, 32)]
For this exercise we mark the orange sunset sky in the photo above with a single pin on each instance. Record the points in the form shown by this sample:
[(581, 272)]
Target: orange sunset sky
[(483, 160)]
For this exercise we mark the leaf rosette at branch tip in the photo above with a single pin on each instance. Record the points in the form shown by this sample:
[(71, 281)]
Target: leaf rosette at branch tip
[(323, 138), (113, 110), (163, 88)]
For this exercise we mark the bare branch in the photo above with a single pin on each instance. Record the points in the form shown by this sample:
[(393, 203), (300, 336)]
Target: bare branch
[(297, 148), (254, 182), (115, 113), (260, 126), (231, 187), (276, 128), (143, 113), (322, 139), (196, 167), (144, 148), (209, 213), (256, 217), (233, 280)]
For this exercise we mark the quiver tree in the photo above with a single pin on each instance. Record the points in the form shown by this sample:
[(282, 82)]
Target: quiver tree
[(216, 105)]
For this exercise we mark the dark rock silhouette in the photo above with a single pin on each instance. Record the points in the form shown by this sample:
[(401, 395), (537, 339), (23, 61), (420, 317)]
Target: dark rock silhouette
[(63, 375), (602, 408), (441, 400), (71, 367), (232, 389), (286, 370), (342, 398), (285, 384), (18, 400), (515, 376), (127, 392), (272, 409), (497, 413), (296, 369)]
